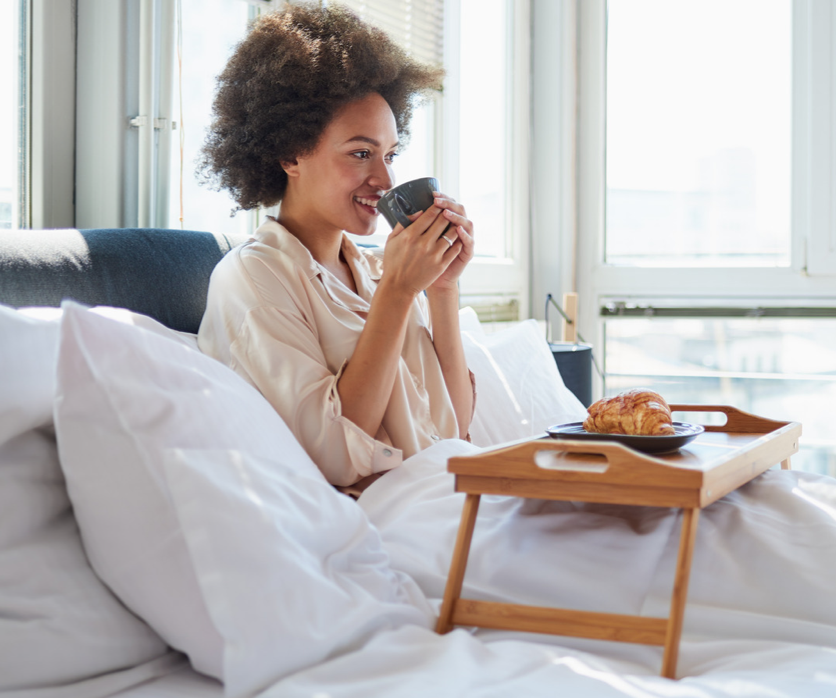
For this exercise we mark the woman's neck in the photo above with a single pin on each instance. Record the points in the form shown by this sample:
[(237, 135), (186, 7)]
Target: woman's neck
[(323, 244)]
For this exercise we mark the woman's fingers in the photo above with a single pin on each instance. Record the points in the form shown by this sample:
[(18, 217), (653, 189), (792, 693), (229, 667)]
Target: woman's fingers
[(422, 221), (453, 211), (449, 238), (455, 218), (453, 252), (466, 236)]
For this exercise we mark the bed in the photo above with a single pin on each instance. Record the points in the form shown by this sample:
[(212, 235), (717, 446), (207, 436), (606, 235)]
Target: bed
[(163, 534)]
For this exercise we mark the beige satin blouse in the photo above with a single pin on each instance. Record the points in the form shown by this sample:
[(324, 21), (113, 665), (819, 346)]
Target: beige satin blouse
[(288, 326)]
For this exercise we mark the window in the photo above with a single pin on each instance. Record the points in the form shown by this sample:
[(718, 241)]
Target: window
[(37, 114), (484, 121), (698, 133), (10, 131), (208, 33), (782, 368), (705, 215), (486, 143)]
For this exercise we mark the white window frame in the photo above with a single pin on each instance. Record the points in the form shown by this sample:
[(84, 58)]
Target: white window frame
[(124, 112), (554, 159), (504, 278), (809, 278), (50, 151)]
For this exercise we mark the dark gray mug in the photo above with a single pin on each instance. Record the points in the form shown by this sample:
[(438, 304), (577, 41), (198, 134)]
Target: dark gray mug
[(407, 198)]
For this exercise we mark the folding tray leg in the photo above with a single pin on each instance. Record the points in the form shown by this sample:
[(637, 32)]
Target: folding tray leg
[(786, 465), (457, 566), (687, 537)]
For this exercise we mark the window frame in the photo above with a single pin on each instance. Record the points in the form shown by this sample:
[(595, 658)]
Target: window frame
[(49, 148), (808, 278), (494, 281)]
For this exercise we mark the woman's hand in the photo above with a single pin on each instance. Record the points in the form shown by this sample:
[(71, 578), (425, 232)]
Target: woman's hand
[(460, 232), (416, 256)]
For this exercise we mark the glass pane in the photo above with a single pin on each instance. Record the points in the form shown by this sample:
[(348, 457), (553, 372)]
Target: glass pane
[(777, 368), (9, 97), (698, 132), (482, 115), (211, 28)]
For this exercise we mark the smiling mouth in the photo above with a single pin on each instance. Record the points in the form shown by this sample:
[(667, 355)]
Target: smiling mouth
[(369, 203)]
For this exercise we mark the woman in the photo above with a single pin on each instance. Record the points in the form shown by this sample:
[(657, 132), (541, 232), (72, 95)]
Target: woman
[(310, 112)]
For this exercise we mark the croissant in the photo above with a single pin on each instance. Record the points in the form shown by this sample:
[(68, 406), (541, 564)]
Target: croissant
[(637, 412)]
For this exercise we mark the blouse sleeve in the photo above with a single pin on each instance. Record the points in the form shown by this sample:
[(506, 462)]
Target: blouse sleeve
[(278, 352)]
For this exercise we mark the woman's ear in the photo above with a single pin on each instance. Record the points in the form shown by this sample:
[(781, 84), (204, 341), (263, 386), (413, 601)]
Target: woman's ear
[(291, 167)]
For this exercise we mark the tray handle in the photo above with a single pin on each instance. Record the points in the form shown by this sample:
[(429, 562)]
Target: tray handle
[(594, 456), (737, 421), (573, 459)]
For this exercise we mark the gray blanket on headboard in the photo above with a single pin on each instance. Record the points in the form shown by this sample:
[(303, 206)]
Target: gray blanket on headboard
[(157, 272)]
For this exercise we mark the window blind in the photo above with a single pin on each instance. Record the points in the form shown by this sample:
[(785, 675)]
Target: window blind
[(417, 26)]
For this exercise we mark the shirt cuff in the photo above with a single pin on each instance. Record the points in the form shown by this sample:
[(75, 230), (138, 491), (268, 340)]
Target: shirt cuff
[(380, 455), (385, 457)]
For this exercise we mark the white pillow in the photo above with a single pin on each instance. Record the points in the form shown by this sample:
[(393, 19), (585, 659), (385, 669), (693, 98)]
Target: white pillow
[(293, 573), (519, 391), (58, 623), (238, 551), (469, 321), (28, 349), (129, 317)]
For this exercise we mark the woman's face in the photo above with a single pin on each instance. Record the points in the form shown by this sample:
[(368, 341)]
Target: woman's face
[(341, 182)]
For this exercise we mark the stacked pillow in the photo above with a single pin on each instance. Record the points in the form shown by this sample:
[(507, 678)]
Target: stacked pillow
[(200, 510), (59, 624), (206, 527), (519, 390)]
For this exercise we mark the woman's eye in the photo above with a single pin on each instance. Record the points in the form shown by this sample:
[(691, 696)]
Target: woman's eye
[(391, 157), (362, 154)]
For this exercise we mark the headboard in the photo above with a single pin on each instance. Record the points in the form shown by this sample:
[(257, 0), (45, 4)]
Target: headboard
[(157, 272)]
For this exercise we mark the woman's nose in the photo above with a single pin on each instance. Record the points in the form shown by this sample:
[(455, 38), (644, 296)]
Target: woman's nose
[(382, 176)]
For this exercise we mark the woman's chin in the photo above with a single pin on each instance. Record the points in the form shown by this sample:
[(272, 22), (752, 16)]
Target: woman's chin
[(362, 230)]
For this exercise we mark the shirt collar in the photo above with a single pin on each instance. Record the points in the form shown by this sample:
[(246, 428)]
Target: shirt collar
[(274, 234)]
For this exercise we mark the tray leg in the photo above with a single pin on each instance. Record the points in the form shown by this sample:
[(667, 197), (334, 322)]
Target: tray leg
[(455, 578), (786, 465), (687, 537)]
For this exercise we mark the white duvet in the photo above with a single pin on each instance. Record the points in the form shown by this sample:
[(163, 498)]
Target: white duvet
[(760, 619)]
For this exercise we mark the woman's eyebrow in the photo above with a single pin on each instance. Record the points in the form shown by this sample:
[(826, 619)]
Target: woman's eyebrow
[(366, 139)]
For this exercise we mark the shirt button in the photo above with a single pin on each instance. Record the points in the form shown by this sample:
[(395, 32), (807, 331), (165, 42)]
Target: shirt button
[(436, 437), (387, 452)]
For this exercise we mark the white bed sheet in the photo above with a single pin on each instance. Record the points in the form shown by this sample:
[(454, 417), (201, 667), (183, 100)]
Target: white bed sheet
[(414, 662), (185, 683), (760, 620)]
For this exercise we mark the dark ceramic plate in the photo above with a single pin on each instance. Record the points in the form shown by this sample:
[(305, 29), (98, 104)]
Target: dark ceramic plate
[(685, 433)]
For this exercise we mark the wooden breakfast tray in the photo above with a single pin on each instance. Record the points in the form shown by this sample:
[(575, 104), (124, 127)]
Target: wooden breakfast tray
[(715, 463)]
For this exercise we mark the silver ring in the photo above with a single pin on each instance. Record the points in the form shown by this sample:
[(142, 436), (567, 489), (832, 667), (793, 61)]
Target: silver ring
[(447, 240)]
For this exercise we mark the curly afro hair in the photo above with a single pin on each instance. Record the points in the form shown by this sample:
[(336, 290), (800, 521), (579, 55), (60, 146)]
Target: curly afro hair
[(285, 82)]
